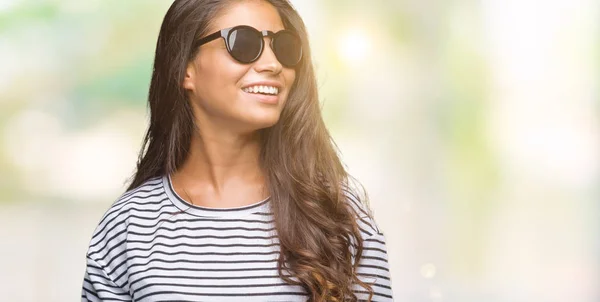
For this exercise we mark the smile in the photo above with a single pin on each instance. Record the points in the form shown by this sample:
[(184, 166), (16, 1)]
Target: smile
[(270, 90)]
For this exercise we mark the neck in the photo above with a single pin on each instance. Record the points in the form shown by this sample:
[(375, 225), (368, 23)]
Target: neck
[(222, 165)]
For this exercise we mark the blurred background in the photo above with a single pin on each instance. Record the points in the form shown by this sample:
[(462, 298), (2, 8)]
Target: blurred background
[(473, 125)]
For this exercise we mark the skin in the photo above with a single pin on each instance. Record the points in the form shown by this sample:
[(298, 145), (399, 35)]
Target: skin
[(222, 170)]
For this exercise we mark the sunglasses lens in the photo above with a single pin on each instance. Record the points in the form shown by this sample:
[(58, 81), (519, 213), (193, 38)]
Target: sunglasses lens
[(287, 48), (245, 44)]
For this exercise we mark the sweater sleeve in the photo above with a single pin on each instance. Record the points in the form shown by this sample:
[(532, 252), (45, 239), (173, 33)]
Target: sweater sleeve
[(98, 286), (374, 269)]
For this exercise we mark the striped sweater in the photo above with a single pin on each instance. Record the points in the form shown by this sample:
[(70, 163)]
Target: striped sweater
[(146, 249)]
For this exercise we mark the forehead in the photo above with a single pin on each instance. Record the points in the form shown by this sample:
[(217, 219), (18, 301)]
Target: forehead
[(258, 14)]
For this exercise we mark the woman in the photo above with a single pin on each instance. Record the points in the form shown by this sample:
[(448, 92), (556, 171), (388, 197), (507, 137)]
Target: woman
[(239, 193)]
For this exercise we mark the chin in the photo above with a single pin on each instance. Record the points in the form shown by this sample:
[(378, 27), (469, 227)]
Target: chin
[(262, 122), (267, 123)]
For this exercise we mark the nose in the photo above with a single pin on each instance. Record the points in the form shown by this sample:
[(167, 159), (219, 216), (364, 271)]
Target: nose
[(268, 61)]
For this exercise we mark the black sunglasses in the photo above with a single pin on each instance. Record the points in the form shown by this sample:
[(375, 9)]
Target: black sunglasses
[(245, 44)]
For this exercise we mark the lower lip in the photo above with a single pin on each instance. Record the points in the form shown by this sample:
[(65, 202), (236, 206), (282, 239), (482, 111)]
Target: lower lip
[(263, 98)]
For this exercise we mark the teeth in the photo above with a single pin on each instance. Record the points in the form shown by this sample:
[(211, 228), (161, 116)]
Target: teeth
[(262, 89)]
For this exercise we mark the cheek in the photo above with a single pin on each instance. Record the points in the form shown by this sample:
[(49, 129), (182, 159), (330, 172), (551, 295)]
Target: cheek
[(290, 77), (219, 78)]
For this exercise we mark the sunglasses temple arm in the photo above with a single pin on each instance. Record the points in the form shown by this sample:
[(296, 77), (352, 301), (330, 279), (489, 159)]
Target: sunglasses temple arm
[(207, 39)]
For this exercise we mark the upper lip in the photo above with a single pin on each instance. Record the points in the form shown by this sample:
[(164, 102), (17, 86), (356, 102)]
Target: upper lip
[(264, 83)]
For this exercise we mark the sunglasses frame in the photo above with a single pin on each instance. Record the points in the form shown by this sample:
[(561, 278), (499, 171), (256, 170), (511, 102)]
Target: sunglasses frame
[(224, 33)]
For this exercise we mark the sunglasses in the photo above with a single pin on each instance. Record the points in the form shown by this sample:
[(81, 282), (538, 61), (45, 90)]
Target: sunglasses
[(245, 44)]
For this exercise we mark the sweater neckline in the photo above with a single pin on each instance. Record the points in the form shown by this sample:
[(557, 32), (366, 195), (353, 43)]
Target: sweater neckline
[(262, 206)]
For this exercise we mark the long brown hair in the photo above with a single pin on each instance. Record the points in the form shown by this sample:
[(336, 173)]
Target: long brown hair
[(307, 182)]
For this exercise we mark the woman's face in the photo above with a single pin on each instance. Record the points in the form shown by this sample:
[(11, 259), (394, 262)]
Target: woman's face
[(214, 80)]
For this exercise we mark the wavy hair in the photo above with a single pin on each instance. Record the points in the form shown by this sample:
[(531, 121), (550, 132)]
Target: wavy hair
[(308, 184)]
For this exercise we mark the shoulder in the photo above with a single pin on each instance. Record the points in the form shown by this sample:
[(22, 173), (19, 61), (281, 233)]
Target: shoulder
[(112, 226), (359, 204)]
